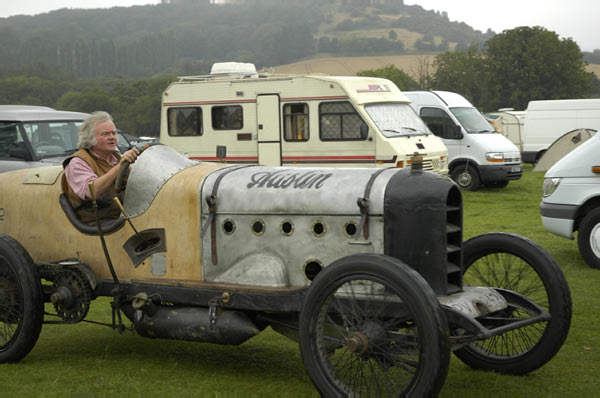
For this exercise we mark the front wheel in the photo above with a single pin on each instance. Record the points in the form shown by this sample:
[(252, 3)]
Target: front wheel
[(21, 303), (372, 326), (466, 177), (515, 263), (588, 238)]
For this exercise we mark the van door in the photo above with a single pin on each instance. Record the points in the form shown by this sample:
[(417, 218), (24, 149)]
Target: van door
[(269, 134), (442, 125)]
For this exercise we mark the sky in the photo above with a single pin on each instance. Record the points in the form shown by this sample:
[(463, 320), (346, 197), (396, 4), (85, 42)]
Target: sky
[(577, 19)]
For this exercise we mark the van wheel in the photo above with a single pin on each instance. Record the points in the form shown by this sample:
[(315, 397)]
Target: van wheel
[(371, 326), (21, 303), (588, 238), (466, 177)]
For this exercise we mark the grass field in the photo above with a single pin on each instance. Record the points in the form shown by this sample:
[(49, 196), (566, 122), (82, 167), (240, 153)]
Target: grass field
[(86, 359)]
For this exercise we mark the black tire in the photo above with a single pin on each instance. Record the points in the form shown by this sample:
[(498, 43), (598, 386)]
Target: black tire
[(355, 346), (466, 177), (21, 302), (588, 238), (515, 263)]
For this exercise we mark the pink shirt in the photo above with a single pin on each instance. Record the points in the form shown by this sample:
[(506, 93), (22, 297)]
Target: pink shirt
[(79, 174)]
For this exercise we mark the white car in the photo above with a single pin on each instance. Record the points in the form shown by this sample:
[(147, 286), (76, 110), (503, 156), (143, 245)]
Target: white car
[(571, 199)]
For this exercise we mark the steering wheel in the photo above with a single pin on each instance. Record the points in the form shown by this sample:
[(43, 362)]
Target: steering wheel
[(120, 181)]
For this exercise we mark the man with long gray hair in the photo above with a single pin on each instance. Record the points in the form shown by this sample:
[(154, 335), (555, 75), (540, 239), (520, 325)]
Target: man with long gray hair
[(95, 162)]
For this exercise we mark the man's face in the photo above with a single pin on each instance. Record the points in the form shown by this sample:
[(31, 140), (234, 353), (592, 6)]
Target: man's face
[(106, 137)]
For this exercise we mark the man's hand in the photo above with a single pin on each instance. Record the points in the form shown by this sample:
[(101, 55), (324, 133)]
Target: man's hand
[(130, 156)]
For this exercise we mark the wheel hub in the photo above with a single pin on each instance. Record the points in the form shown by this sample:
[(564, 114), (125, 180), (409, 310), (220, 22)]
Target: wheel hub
[(464, 179), (595, 240), (358, 343)]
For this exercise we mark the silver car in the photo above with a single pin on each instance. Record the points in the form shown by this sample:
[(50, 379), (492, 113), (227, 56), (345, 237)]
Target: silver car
[(34, 136)]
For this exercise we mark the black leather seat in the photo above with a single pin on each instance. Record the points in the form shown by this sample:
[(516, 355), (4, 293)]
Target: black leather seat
[(108, 226)]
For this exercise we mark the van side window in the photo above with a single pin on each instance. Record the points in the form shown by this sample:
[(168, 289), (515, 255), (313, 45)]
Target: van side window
[(295, 122), (184, 121), (339, 121), (227, 117), (438, 121)]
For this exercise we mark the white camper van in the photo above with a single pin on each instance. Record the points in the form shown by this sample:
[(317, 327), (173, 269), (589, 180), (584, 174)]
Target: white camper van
[(476, 153), (546, 121), (239, 116), (571, 198)]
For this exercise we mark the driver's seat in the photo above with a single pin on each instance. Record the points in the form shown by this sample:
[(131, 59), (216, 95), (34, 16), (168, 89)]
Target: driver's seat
[(108, 225)]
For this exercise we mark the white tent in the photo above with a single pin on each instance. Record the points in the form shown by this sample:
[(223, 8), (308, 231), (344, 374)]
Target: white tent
[(563, 145)]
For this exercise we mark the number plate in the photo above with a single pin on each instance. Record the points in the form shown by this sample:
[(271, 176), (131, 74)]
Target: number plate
[(515, 169)]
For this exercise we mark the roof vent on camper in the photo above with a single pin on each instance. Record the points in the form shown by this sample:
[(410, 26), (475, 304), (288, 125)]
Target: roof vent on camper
[(235, 69)]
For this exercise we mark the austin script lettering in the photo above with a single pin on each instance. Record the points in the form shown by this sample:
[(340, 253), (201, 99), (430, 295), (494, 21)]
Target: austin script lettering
[(286, 180)]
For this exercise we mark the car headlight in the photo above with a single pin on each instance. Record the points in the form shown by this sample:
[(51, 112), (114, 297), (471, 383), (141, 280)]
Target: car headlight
[(550, 185), (494, 157)]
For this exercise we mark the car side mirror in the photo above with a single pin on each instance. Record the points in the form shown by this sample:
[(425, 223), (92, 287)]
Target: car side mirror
[(18, 153), (453, 132), (221, 153), (364, 131)]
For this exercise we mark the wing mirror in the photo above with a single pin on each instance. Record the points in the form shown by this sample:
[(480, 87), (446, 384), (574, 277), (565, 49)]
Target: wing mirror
[(364, 131), (453, 132)]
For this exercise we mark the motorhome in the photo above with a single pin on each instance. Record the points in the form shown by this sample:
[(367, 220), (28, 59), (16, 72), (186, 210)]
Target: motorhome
[(476, 153), (237, 115), (546, 121)]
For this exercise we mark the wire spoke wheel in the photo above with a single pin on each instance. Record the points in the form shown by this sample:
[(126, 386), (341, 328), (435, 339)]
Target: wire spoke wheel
[(515, 263), (21, 304), (366, 335)]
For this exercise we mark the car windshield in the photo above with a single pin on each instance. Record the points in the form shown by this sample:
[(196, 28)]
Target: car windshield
[(396, 120), (472, 120), (55, 138)]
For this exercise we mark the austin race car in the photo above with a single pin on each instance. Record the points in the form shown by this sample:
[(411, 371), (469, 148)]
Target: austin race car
[(365, 268)]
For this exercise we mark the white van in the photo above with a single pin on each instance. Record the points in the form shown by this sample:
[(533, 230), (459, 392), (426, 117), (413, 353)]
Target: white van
[(571, 198), (546, 121), (476, 153), (239, 116)]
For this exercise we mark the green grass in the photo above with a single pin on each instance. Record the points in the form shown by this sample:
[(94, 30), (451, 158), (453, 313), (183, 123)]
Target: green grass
[(85, 359)]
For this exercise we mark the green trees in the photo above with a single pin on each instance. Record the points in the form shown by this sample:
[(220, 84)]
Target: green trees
[(390, 72), (515, 67)]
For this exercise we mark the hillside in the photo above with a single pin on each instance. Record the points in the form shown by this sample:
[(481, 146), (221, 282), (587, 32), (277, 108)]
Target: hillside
[(187, 38), (349, 66)]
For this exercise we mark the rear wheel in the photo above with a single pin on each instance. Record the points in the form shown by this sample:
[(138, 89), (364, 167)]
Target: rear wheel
[(466, 177), (515, 263), (588, 238), (21, 303), (372, 326)]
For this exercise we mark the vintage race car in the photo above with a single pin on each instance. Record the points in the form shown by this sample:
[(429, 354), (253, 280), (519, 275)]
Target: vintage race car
[(366, 268)]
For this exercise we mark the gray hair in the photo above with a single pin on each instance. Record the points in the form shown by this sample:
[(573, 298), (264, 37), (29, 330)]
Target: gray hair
[(87, 139)]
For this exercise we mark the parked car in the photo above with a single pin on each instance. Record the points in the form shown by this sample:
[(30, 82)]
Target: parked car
[(34, 136), (378, 291), (571, 199)]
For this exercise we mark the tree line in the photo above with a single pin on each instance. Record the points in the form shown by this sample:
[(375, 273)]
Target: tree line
[(509, 70)]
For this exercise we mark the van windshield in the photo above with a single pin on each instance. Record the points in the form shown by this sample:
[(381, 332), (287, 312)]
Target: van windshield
[(55, 138), (396, 120), (471, 120)]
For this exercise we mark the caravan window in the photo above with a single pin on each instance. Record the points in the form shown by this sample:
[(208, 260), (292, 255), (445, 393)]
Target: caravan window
[(339, 121), (184, 121), (295, 122), (227, 117)]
